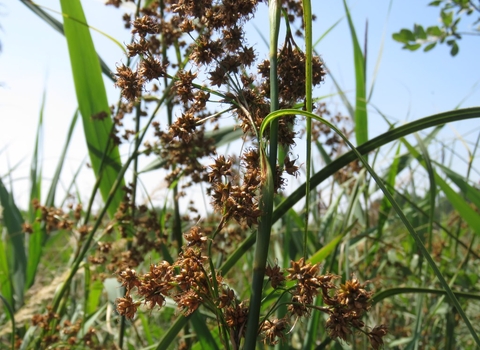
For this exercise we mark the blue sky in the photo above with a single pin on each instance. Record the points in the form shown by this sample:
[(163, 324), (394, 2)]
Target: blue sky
[(408, 85)]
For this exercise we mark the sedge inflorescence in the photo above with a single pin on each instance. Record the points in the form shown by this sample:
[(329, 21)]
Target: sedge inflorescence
[(216, 66), (190, 284)]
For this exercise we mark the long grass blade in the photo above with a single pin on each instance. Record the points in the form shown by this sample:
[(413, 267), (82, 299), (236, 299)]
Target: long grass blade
[(6, 285), (92, 101), (61, 161), (381, 140), (172, 332), (378, 297), (361, 117), (468, 214), (433, 188), (35, 239), (36, 165), (385, 206), (326, 32), (15, 245), (469, 191)]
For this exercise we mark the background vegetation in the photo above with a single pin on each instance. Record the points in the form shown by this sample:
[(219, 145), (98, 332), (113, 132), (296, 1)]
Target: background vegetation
[(362, 240)]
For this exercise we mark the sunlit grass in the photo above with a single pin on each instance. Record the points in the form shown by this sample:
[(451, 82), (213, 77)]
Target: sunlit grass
[(368, 239)]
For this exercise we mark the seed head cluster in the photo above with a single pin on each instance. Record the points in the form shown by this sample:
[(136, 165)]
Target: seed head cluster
[(220, 70), (345, 304), (189, 282), (64, 335)]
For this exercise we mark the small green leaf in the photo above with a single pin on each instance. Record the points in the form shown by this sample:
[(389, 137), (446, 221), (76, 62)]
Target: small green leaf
[(447, 18), (430, 46), (454, 49), (434, 31), (412, 47), (435, 3), (408, 34), (399, 37), (420, 32), (404, 36)]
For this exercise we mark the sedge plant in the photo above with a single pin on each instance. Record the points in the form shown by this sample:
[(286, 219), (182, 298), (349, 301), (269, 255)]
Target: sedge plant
[(261, 266)]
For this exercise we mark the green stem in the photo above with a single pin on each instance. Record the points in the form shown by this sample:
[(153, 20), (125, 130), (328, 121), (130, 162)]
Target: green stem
[(266, 202), (307, 18)]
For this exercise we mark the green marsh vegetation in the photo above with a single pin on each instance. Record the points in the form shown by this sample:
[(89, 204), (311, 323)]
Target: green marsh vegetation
[(331, 250)]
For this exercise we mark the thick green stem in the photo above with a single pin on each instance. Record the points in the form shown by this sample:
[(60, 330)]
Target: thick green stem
[(307, 17), (266, 202)]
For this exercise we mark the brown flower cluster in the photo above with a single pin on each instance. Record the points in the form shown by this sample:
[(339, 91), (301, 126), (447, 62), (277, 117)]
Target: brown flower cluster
[(53, 219), (184, 158), (274, 331), (294, 10), (136, 224), (233, 200), (132, 81), (235, 195), (291, 73), (188, 281), (345, 304), (236, 317), (210, 34), (216, 45), (64, 335)]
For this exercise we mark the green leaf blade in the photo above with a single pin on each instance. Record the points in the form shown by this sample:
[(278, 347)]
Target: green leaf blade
[(15, 244), (92, 100), (361, 116)]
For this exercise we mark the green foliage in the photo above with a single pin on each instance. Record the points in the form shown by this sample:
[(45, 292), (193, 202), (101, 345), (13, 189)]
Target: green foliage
[(451, 14), (92, 102), (15, 270), (156, 274)]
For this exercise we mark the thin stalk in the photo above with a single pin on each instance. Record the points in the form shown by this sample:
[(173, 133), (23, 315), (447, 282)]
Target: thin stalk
[(138, 112), (177, 222), (266, 202), (307, 18)]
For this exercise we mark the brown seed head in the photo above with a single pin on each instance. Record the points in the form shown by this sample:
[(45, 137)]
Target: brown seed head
[(127, 307)]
